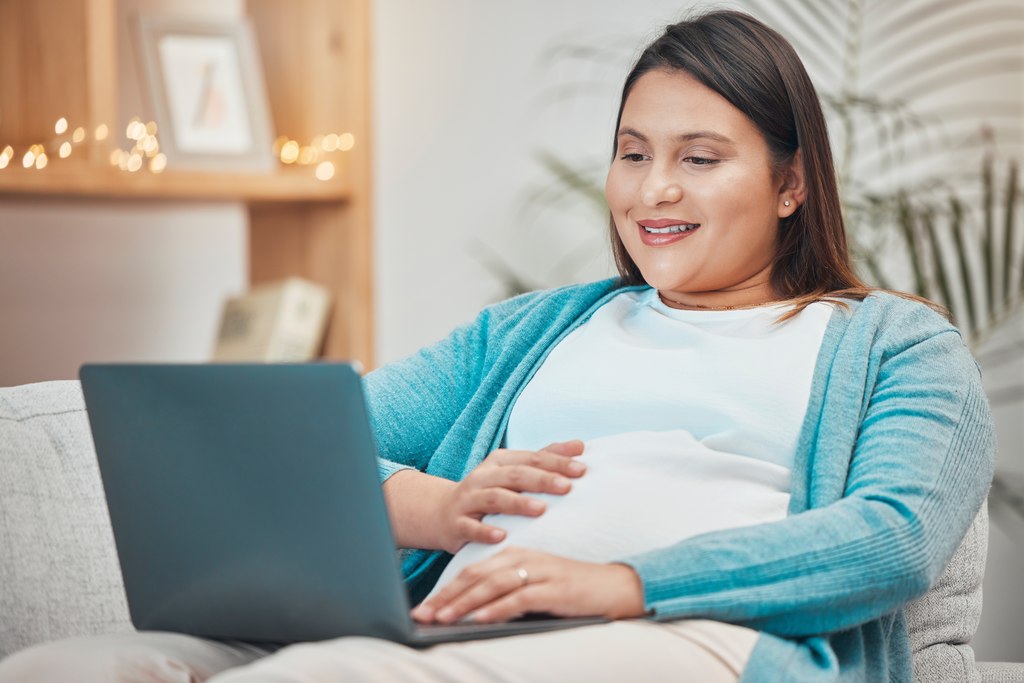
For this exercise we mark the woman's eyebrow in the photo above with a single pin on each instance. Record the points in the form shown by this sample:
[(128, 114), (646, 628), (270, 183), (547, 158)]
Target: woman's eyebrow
[(681, 137)]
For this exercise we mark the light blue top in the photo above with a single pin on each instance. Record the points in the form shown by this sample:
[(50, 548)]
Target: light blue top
[(894, 460)]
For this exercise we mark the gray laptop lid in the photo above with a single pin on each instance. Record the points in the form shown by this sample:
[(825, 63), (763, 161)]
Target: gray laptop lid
[(245, 504), (245, 500)]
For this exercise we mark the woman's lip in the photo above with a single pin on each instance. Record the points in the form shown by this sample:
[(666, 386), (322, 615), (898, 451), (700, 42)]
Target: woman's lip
[(665, 222), (654, 239)]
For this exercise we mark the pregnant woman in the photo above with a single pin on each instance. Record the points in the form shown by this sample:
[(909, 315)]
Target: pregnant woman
[(736, 451)]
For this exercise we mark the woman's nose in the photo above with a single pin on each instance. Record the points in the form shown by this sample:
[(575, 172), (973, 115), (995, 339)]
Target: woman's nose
[(660, 188)]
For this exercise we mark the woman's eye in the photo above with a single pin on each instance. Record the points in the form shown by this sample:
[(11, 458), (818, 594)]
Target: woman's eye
[(633, 156), (700, 161)]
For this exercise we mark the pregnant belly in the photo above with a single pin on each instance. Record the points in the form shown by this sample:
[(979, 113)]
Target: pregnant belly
[(642, 491)]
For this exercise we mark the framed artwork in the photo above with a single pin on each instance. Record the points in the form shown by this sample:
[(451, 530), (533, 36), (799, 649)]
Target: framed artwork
[(205, 86)]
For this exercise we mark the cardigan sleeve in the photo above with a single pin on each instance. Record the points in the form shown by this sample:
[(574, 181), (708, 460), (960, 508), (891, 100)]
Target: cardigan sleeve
[(919, 471), (413, 402)]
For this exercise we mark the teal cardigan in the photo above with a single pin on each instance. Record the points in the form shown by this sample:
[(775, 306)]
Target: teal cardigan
[(894, 459)]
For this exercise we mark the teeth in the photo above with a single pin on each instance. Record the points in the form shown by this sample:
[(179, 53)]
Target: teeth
[(672, 228)]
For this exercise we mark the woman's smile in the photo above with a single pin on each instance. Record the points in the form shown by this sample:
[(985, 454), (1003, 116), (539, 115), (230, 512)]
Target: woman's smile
[(664, 231)]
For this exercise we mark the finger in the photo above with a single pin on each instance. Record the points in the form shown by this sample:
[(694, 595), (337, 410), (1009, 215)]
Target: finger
[(497, 500), (508, 558), (495, 586), (572, 447), (545, 460), (523, 478), (532, 598), (474, 531), (427, 610)]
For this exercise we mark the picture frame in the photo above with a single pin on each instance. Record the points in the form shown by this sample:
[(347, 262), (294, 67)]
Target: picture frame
[(204, 82)]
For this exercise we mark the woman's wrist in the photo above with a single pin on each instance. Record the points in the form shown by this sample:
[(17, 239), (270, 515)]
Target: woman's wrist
[(628, 592), (415, 500)]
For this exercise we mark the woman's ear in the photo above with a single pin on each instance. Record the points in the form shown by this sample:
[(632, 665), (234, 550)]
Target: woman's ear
[(793, 190)]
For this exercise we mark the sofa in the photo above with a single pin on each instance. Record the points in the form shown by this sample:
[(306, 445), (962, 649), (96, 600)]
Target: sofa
[(59, 574)]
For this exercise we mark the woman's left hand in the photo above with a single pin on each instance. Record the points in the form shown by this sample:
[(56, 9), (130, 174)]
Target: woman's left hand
[(518, 580)]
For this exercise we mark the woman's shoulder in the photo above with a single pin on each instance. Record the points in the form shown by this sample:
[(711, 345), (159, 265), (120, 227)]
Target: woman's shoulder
[(895, 309), (893, 321)]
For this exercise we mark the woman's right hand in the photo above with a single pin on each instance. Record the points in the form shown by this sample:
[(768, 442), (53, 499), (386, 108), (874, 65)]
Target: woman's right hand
[(497, 486)]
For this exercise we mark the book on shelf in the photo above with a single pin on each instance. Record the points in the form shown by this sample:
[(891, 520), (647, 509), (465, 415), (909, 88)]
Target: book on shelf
[(278, 322)]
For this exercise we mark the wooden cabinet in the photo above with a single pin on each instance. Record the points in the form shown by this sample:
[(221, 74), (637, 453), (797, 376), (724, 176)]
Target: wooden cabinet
[(59, 58)]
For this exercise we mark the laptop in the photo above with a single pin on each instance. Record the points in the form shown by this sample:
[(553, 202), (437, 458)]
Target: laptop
[(246, 505)]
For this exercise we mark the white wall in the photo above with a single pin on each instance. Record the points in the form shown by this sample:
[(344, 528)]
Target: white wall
[(100, 281)]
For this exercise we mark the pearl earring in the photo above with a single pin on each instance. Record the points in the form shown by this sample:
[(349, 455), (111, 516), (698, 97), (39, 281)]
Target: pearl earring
[(786, 203)]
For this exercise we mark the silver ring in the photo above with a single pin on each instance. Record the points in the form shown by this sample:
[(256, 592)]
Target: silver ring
[(524, 575)]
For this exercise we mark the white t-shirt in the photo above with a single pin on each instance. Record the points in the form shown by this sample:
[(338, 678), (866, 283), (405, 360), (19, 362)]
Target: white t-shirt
[(690, 421)]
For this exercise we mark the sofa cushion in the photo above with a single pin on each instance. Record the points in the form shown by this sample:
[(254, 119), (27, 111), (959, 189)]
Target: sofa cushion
[(943, 621), (59, 574)]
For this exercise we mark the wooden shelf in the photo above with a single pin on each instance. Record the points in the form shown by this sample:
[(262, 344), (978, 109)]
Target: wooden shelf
[(316, 65), (66, 179)]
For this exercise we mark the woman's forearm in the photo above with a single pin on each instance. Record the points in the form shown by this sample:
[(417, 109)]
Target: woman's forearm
[(414, 500)]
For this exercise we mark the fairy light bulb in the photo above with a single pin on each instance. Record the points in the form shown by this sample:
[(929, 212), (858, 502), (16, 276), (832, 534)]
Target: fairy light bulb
[(158, 163), (61, 126), (65, 150), (290, 152), (346, 141), (307, 155), (325, 171), (136, 130)]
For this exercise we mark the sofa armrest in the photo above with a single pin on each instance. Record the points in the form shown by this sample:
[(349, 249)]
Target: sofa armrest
[(59, 574), (1001, 672)]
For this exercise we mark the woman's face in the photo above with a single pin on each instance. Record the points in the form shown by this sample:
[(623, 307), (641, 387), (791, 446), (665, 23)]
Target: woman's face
[(693, 195)]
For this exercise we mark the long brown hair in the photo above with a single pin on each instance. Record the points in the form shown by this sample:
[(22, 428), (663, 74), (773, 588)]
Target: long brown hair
[(757, 71)]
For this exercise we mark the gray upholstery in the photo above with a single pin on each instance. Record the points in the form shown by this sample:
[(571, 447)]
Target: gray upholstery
[(943, 621), (59, 575), (1001, 672)]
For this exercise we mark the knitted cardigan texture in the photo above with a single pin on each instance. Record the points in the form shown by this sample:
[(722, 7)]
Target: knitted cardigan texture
[(894, 459)]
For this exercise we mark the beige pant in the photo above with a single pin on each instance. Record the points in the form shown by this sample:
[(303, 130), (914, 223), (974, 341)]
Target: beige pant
[(691, 650)]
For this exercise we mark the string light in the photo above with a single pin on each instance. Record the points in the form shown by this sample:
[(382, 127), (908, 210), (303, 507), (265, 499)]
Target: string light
[(158, 163), (146, 151), (307, 155), (325, 171), (290, 152)]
